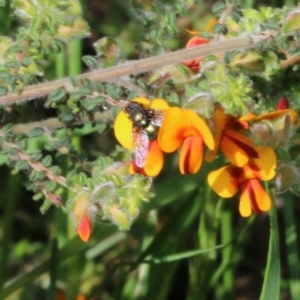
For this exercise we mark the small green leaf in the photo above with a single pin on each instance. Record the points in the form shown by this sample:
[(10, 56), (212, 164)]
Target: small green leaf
[(38, 196), (47, 161), (66, 117), (21, 165), (270, 24), (37, 155), (26, 61), (90, 61), (37, 131), (218, 7), (3, 90), (283, 154), (57, 95), (50, 186), (46, 205)]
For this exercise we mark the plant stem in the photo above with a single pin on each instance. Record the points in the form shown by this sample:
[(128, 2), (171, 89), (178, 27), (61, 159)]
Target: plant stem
[(136, 67)]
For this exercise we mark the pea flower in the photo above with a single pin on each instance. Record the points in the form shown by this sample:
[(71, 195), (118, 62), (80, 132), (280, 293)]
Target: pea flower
[(154, 162), (236, 147), (124, 132), (185, 129), (84, 228), (274, 128), (227, 180), (197, 41)]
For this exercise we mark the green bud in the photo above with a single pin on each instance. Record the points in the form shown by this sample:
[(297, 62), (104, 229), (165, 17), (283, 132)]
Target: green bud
[(119, 217), (292, 23), (249, 61), (286, 175)]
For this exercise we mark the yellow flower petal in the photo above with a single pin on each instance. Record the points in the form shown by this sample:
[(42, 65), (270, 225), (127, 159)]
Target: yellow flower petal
[(191, 155), (170, 135), (278, 114), (245, 208), (179, 124), (254, 196), (237, 148), (155, 160), (123, 130), (263, 168), (224, 181), (142, 100), (221, 120), (159, 103), (198, 125)]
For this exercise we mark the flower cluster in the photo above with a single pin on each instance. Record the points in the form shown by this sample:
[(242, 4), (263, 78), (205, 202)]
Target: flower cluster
[(234, 136)]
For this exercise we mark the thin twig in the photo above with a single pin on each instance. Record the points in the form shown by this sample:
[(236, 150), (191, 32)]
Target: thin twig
[(135, 67), (54, 123)]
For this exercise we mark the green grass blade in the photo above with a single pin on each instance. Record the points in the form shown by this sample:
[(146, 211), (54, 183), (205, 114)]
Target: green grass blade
[(12, 193), (53, 270), (271, 285), (179, 256), (291, 246)]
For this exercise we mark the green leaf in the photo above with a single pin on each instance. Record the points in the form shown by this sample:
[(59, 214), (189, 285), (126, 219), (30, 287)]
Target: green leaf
[(90, 61), (183, 255), (283, 154), (3, 90), (46, 205), (57, 95), (21, 165), (291, 246), (66, 117), (271, 285), (218, 7), (37, 131)]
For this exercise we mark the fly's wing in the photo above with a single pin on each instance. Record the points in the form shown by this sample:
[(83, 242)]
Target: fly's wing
[(141, 147), (158, 117)]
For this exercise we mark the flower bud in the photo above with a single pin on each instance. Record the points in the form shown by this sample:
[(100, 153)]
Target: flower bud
[(81, 214), (283, 103), (119, 217), (285, 177), (249, 61), (292, 22)]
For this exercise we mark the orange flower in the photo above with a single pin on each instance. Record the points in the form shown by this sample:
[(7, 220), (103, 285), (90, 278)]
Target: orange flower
[(183, 127), (227, 180), (273, 115), (124, 132), (195, 41), (154, 162), (237, 148), (274, 128), (84, 228)]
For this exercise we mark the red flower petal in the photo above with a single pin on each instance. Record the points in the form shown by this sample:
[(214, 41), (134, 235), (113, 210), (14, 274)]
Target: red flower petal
[(84, 228), (191, 155), (283, 103)]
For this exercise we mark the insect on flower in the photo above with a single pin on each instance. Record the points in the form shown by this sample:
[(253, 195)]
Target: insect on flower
[(145, 123)]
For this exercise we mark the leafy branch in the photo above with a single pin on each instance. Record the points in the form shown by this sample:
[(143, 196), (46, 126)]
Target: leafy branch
[(135, 67)]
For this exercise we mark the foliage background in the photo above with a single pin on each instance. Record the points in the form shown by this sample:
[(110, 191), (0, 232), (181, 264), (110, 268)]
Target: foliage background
[(43, 251)]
